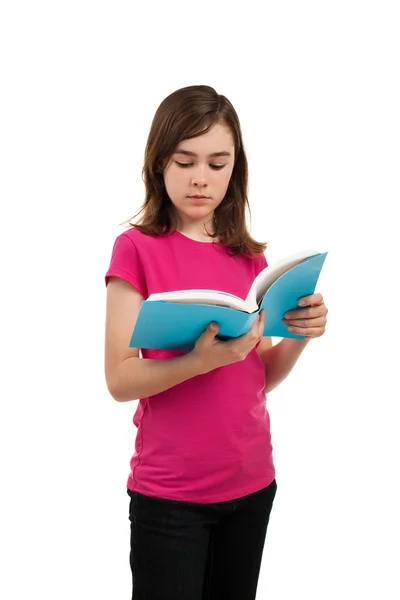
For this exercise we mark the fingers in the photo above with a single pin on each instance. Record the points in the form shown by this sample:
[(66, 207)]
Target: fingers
[(309, 322), (304, 323), (310, 332), (307, 313), (312, 300), (258, 325), (248, 340), (262, 317), (257, 329)]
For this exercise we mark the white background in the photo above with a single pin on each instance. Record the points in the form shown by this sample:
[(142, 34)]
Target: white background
[(316, 86)]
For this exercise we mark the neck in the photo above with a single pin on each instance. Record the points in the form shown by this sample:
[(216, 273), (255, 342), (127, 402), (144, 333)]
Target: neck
[(201, 231)]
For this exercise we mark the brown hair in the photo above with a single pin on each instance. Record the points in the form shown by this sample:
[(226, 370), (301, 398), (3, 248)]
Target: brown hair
[(187, 113)]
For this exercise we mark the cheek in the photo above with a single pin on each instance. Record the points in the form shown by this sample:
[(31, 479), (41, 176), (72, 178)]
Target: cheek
[(224, 179), (173, 179), (179, 175)]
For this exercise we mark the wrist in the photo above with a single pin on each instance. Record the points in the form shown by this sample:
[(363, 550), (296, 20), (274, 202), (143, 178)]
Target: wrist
[(196, 365), (295, 343)]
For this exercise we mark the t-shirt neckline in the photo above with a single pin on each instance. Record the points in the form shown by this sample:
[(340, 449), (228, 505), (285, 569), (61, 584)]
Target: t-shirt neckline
[(195, 241)]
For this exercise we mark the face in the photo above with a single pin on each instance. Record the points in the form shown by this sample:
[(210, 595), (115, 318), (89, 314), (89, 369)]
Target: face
[(200, 166)]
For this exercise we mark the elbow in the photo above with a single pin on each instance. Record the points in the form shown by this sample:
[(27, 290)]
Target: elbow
[(117, 391), (115, 394), (119, 395), (121, 380), (113, 390)]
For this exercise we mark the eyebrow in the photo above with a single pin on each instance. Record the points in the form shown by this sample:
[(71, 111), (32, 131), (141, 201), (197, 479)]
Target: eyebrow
[(188, 153)]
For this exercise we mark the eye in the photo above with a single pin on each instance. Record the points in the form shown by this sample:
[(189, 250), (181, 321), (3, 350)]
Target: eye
[(186, 165)]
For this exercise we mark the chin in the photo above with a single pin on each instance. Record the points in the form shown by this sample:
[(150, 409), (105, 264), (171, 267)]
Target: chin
[(201, 210)]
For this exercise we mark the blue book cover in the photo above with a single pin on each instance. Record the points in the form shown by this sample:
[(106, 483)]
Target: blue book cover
[(177, 325)]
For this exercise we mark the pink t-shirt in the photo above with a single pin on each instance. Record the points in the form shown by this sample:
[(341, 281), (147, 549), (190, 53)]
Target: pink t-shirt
[(208, 438)]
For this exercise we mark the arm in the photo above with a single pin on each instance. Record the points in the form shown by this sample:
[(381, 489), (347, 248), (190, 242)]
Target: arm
[(128, 376), (280, 359)]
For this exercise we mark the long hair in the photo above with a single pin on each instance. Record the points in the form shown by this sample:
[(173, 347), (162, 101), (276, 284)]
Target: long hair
[(188, 113)]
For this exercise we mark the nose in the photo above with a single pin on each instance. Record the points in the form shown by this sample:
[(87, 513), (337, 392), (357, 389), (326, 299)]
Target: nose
[(198, 177)]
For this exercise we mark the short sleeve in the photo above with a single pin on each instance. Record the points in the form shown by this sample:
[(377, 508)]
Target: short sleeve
[(126, 264), (260, 262)]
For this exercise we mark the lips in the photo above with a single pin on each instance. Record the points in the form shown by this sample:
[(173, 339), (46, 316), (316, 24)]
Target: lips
[(198, 197)]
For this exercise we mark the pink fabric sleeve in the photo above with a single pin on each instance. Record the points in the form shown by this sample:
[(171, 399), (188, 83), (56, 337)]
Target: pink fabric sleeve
[(126, 264), (260, 264)]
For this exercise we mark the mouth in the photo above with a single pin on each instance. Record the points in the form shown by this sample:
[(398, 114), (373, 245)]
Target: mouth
[(198, 197)]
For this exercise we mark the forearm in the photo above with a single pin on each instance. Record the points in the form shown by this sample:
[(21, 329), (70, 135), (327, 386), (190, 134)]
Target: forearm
[(143, 377), (280, 359)]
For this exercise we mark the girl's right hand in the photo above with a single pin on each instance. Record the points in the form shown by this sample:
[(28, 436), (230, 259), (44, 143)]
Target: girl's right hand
[(212, 353)]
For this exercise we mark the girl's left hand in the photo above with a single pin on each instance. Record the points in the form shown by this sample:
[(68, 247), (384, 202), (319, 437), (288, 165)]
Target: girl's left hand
[(309, 321)]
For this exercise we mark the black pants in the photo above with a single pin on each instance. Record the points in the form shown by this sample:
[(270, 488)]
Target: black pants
[(190, 551)]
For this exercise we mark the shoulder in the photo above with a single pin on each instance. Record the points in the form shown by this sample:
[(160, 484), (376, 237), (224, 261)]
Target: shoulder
[(128, 260), (136, 238), (259, 259), (131, 236), (135, 242), (259, 262)]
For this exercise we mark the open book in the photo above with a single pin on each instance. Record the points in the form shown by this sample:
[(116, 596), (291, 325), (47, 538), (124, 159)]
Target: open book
[(175, 320)]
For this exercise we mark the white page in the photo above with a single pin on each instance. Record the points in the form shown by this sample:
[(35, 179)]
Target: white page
[(213, 297), (270, 274)]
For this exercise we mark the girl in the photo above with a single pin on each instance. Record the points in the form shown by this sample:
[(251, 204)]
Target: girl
[(202, 480)]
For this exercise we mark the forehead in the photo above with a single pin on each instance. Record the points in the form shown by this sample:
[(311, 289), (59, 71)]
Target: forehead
[(217, 140)]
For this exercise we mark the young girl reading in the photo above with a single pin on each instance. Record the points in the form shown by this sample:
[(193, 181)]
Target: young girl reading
[(202, 478)]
